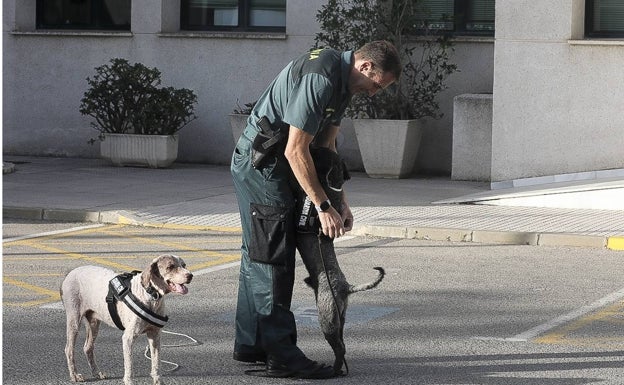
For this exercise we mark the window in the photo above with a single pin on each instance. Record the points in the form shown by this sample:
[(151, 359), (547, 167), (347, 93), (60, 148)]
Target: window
[(83, 14), (233, 15), (460, 17), (604, 18)]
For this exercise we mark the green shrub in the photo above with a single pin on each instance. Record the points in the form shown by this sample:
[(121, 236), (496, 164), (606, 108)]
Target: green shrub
[(126, 99)]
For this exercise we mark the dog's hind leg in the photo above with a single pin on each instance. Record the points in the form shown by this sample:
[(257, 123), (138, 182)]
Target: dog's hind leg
[(71, 303), (331, 319), (337, 344), (92, 327)]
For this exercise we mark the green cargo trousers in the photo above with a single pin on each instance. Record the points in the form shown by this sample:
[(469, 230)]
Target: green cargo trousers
[(266, 199)]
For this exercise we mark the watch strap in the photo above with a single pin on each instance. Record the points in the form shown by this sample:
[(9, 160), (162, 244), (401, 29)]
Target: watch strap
[(324, 206)]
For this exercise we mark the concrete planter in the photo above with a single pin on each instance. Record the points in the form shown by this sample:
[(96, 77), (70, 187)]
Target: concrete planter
[(155, 151), (389, 148), (238, 122)]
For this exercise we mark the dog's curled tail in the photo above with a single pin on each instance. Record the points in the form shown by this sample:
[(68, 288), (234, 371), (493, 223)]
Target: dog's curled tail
[(370, 285)]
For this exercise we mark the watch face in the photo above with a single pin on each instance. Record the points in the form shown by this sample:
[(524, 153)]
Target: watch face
[(325, 206)]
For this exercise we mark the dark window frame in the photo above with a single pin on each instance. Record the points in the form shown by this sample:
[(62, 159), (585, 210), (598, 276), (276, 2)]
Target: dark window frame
[(589, 24), (244, 7), (96, 22), (461, 8)]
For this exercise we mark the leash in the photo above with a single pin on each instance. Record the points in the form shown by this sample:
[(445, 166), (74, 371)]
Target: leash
[(331, 289), (193, 342)]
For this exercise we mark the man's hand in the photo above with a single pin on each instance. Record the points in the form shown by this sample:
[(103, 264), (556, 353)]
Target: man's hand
[(331, 223)]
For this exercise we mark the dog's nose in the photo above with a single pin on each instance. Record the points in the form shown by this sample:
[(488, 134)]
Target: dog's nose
[(189, 277)]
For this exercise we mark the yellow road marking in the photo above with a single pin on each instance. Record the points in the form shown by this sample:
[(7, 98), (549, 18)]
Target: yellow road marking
[(223, 260), (51, 296), (173, 226), (101, 261), (55, 236), (169, 244), (34, 275), (45, 243), (615, 243), (560, 335), (128, 242), (63, 258)]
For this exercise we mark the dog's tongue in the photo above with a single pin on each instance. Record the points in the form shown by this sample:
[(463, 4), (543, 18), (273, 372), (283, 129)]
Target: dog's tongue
[(176, 287)]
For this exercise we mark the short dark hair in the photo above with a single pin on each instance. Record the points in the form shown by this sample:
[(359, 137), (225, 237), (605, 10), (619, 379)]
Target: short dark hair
[(384, 55)]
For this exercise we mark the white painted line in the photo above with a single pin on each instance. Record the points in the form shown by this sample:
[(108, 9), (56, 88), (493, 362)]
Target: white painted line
[(216, 268), (55, 232), (54, 305), (543, 328)]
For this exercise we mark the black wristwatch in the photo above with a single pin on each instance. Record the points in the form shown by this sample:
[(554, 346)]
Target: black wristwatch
[(324, 206)]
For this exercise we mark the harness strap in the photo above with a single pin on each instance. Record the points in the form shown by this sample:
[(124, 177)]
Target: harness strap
[(112, 310), (119, 290)]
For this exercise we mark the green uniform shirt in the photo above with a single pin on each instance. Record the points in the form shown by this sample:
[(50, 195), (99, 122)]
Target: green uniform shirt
[(309, 93)]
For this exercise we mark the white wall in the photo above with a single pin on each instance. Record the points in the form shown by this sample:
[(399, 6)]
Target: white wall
[(475, 60), (44, 79), (558, 99)]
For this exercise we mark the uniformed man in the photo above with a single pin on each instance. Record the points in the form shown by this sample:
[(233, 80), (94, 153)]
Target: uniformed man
[(303, 106)]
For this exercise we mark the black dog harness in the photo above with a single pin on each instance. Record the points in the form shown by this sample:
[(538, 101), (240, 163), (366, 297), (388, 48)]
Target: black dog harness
[(119, 290)]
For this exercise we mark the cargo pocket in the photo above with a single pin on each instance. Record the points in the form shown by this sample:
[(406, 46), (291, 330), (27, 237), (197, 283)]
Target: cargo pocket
[(272, 234)]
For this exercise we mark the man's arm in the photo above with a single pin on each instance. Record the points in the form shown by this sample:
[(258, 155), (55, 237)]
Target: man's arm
[(298, 155), (328, 139)]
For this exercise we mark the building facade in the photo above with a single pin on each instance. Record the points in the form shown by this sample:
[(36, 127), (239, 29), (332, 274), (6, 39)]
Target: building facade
[(558, 88), (557, 91)]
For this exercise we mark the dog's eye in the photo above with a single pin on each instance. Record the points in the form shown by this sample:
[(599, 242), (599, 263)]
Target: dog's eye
[(170, 267)]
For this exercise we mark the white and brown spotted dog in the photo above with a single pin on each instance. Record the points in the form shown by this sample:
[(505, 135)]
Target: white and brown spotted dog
[(84, 292)]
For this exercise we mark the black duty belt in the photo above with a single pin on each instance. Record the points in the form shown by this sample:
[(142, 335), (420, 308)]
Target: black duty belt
[(119, 290)]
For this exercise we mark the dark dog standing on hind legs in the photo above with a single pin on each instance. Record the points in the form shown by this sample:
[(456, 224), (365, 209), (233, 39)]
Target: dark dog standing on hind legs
[(319, 257)]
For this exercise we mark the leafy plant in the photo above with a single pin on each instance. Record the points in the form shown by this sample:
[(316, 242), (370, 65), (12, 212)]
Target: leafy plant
[(244, 110), (425, 53), (126, 99)]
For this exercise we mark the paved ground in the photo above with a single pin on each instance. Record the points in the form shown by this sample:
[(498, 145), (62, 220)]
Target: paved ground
[(196, 196), (447, 312), (481, 310)]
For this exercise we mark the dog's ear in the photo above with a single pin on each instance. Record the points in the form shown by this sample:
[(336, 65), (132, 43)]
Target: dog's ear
[(146, 276), (152, 273)]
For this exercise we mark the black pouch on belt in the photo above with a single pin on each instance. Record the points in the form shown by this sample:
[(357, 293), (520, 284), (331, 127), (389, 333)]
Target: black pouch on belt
[(266, 143)]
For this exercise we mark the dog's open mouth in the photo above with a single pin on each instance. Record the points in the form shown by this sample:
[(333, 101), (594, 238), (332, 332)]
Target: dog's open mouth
[(177, 287)]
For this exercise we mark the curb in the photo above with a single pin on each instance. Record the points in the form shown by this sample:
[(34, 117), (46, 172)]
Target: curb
[(128, 219), (497, 237), (65, 215), (423, 233)]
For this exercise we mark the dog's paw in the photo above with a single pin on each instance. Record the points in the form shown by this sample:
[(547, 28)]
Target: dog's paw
[(101, 376), (77, 378)]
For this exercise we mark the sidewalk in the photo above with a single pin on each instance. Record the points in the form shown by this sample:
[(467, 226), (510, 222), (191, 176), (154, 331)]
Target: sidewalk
[(199, 196)]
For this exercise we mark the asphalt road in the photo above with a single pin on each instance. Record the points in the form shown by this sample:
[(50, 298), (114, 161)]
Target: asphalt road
[(447, 313)]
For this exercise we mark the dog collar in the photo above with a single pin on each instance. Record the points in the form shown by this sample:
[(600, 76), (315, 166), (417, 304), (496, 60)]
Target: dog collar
[(153, 292), (119, 290)]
